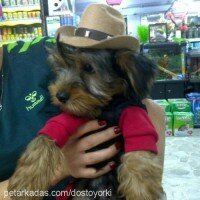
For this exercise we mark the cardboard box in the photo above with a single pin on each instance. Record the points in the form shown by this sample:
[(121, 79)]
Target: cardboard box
[(168, 124), (183, 123), (179, 105)]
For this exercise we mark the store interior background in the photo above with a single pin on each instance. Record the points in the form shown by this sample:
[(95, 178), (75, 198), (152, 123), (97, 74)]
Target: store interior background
[(169, 33), (176, 51)]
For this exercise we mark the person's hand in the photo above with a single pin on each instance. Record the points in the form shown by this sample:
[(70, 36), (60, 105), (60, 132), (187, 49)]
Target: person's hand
[(76, 158)]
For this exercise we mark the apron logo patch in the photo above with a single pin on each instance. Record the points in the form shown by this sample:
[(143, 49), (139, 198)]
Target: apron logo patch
[(33, 100)]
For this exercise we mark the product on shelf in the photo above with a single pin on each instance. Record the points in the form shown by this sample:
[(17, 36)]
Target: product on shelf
[(193, 32), (21, 15), (0, 35), (179, 120), (168, 124), (19, 2), (20, 33), (24, 2), (12, 2), (164, 104), (36, 1), (194, 98), (31, 2), (5, 2), (179, 105), (183, 123), (21, 20), (66, 20), (193, 60)]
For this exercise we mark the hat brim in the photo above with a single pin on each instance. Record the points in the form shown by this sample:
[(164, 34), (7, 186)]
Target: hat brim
[(117, 42), (65, 30)]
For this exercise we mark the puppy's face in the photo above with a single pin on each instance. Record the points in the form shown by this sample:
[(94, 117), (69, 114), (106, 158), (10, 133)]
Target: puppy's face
[(86, 81)]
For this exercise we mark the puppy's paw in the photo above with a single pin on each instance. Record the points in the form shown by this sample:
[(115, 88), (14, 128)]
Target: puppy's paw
[(35, 169), (140, 176)]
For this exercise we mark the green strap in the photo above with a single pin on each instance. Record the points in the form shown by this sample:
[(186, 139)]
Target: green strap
[(36, 40), (29, 43), (25, 47), (51, 40), (11, 46)]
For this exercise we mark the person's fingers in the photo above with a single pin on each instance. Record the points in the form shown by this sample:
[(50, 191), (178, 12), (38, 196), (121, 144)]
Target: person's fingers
[(99, 137), (89, 126), (101, 155), (93, 173)]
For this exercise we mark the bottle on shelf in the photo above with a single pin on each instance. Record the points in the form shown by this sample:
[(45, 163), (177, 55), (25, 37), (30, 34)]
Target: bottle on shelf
[(5, 3), (12, 3), (20, 32)]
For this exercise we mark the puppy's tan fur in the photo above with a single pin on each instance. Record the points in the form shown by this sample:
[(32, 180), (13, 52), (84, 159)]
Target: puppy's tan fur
[(36, 168), (140, 173), (135, 185)]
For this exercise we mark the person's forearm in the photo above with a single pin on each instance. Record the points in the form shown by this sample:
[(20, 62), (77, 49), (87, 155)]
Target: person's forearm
[(3, 191)]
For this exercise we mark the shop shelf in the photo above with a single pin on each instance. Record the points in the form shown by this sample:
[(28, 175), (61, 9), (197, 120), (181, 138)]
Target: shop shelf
[(193, 39), (194, 53), (164, 45), (20, 22), (12, 41), (20, 8)]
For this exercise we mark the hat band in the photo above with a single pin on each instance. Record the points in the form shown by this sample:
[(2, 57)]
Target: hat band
[(92, 34)]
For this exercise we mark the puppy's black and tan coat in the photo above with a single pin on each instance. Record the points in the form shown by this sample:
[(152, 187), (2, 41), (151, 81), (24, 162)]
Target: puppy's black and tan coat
[(95, 83)]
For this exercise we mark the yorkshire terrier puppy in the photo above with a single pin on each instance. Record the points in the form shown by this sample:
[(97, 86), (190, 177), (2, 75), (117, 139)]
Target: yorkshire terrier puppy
[(95, 83)]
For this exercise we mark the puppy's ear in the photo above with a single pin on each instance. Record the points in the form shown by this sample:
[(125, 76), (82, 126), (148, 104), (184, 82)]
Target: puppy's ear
[(60, 56), (138, 69)]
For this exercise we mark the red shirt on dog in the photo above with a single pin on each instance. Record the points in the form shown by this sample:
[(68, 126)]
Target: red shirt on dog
[(138, 131)]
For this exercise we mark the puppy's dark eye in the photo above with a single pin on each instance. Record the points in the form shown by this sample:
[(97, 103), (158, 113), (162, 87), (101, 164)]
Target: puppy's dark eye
[(88, 69)]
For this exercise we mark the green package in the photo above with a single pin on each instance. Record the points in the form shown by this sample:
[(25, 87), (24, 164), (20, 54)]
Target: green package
[(164, 104), (183, 123), (168, 124), (179, 105)]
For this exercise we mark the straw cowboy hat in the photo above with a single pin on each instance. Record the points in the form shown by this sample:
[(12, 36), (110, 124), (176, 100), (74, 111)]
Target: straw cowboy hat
[(100, 27)]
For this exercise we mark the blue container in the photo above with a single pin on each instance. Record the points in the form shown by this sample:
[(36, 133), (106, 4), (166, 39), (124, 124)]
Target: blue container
[(62, 20), (70, 20), (194, 98)]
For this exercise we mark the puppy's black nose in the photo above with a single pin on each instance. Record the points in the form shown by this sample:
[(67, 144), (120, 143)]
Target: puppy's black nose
[(62, 97)]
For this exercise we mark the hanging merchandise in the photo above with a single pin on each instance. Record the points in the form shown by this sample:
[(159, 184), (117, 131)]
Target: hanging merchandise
[(62, 7), (53, 23), (113, 2), (179, 21), (64, 10)]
